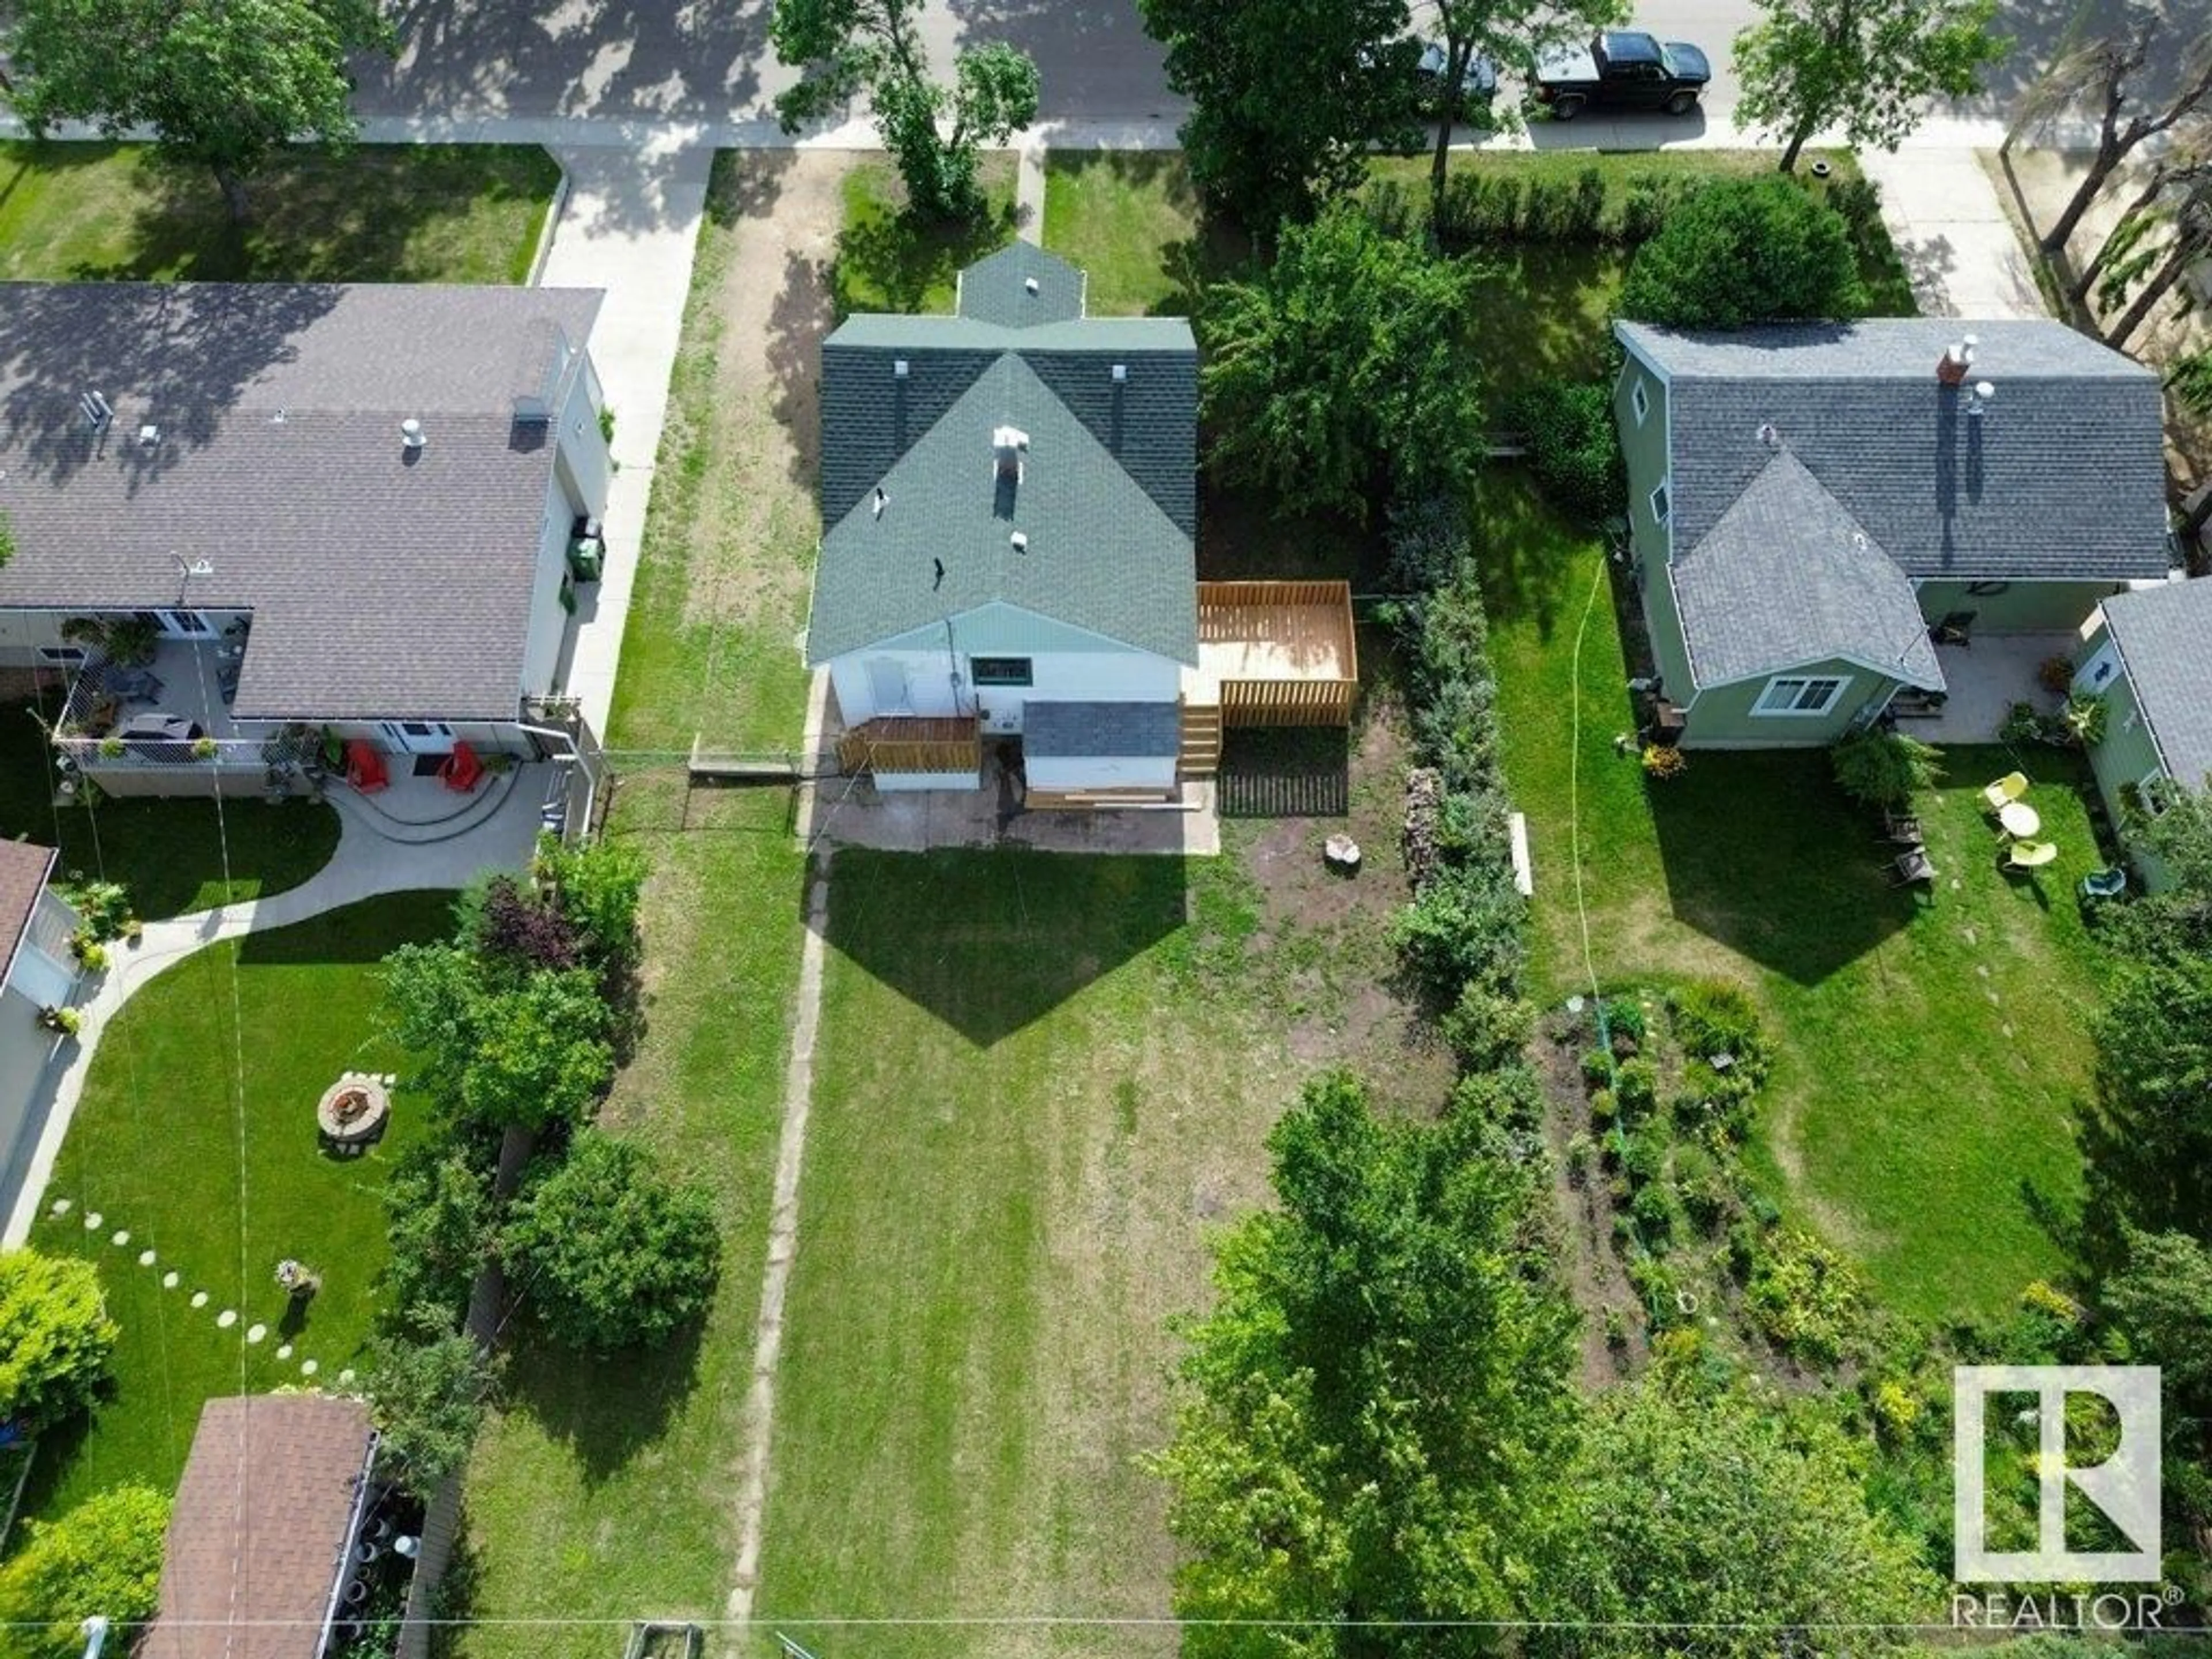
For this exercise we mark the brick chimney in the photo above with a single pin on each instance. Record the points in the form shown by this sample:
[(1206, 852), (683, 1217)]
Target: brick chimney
[(1951, 368)]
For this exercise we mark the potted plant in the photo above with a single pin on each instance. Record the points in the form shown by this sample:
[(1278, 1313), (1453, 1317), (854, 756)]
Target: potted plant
[(67, 1021), (111, 747), (205, 749)]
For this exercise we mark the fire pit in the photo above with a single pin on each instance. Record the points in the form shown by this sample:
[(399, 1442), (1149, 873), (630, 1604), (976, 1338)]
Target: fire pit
[(352, 1110)]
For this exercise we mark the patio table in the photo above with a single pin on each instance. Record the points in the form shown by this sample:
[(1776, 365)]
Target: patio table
[(2019, 818)]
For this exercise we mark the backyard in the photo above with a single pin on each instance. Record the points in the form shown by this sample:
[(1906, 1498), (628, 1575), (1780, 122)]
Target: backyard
[(399, 213), (196, 1138), (171, 854), (1931, 1049)]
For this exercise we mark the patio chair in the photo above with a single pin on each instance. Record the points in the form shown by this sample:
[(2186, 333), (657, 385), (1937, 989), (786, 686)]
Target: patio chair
[(2009, 788), (460, 770), (2029, 854), (1902, 829), (2105, 883), (1908, 868), (1955, 628)]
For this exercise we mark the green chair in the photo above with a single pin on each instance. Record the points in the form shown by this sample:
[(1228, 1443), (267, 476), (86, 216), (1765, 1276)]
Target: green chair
[(2029, 854), (2105, 883)]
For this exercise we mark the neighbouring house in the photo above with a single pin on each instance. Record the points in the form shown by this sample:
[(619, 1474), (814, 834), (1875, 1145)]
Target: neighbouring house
[(2148, 653), (250, 518), (1010, 503), (1812, 505), (37, 973), (264, 1538)]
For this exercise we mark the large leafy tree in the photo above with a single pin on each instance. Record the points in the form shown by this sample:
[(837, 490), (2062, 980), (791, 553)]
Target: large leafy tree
[(224, 84), (2155, 1087), (55, 1337), (1369, 1412), (1286, 98), (103, 1558), (1700, 1522), (1864, 68), (427, 1397), (850, 47), (1513, 34), (1744, 250), (1340, 371)]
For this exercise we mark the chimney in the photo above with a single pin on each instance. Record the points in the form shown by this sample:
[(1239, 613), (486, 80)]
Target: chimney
[(1951, 369)]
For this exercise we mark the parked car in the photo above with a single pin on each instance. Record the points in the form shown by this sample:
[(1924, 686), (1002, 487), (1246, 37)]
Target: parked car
[(1623, 69), (1477, 86)]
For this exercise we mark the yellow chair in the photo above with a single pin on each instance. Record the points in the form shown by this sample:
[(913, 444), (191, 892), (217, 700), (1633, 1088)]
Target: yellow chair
[(2009, 788), (2029, 854)]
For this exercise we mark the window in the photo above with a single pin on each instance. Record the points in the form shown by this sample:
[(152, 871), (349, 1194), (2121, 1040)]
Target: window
[(999, 671), (1660, 507), (2154, 793), (1799, 695), (1639, 400), (61, 653)]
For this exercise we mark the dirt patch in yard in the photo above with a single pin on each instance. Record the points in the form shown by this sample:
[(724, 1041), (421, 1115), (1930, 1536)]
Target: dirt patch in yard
[(1590, 1266)]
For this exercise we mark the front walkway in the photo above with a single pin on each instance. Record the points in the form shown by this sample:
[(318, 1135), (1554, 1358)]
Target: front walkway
[(1951, 230)]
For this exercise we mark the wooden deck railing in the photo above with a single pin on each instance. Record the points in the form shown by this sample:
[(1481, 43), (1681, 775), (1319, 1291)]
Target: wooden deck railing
[(905, 744), (1305, 626), (1288, 702)]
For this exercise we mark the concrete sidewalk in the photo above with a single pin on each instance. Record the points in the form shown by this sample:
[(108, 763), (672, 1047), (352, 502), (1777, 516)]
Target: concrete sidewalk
[(1958, 247), (628, 224)]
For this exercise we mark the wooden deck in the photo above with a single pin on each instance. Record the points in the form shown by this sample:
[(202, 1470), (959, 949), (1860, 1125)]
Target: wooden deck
[(1275, 653), (907, 743)]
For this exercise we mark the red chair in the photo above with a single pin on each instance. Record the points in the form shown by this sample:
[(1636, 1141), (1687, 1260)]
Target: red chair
[(461, 769), (365, 767)]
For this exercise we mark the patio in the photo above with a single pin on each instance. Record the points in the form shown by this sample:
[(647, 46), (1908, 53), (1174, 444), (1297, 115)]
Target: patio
[(1985, 679)]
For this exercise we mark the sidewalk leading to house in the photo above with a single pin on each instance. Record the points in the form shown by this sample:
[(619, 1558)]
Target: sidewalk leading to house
[(1959, 245)]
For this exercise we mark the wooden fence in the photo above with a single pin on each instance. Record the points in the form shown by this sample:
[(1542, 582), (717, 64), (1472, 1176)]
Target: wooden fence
[(901, 743), (1286, 652), (1288, 702)]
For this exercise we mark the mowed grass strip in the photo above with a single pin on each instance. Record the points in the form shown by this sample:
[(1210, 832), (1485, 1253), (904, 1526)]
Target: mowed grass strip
[(198, 1119), (1932, 1049), (378, 213), (1025, 1117)]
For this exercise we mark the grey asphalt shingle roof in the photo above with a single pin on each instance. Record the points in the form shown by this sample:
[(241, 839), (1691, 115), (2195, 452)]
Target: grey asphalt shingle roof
[(1108, 498), (2165, 636), (1787, 577), (380, 586), (23, 869), (1100, 554), (2061, 478), (1118, 729)]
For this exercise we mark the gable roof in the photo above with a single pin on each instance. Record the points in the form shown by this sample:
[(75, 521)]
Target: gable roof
[(1787, 577), (2164, 637), (263, 1520), (2062, 477), (24, 867), (383, 583), (1107, 495)]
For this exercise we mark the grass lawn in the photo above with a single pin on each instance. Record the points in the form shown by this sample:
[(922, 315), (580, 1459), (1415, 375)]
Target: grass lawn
[(168, 853), (386, 213), (1028, 1107), (1132, 221), (889, 260), (1931, 1049), (222, 1183)]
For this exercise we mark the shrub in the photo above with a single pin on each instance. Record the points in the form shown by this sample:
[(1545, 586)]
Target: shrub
[(2056, 675), (1642, 1160), (1703, 1187), (2022, 725), (1743, 1247), (1427, 542), (597, 886), (1637, 1084), (1662, 761), (621, 1257), (439, 1217), (521, 927), (2082, 719), (1573, 449), (1463, 927), (103, 1557), (1713, 1017), (1597, 1069), (1744, 250), (1507, 1095), (1883, 769), (1625, 1015), (1650, 200), (1653, 1207), (1805, 1297), (1582, 1152), (1488, 1027), (1564, 210), (428, 1399), (1605, 1111), (1477, 208), (103, 906), (1896, 1410), (55, 1338)]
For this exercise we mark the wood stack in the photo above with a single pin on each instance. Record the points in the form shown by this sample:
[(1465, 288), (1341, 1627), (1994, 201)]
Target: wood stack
[(1424, 832)]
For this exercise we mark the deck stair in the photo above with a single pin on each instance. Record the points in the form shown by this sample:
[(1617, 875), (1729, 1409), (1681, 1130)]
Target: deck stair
[(1200, 755)]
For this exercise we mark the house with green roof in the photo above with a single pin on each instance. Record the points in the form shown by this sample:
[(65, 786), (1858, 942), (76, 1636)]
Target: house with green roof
[(2148, 653), (1814, 506), (1010, 503)]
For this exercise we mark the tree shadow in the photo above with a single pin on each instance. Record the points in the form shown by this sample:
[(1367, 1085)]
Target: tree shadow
[(1242, 537), (1093, 57), (1524, 548), (365, 932), (605, 1409), (890, 259), (989, 942), (746, 183)]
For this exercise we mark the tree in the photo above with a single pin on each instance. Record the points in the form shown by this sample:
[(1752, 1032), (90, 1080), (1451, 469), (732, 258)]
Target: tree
[(1340, 369), (2179, 835), (2188, 219), (1513, 34), (438, 1215), (55, 1338), (2184, 162), (2104, 71), (1573, 446), (848, 46), (225, 84), (1287, 99), (427, 1398), (1866, 68), (1370, 1411), (2155, 1087), (1744, 250), (618, 1256), (1741, 1526), (2161, 1304), (2190, 380), (597, 884), (1884, 769), (103, 1557)]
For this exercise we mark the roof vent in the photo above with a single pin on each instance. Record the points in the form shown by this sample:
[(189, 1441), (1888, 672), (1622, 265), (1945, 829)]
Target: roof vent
[(898, 368), (97, 414), (1121, 372), (149, 435), (410, 434), (1019, 542), (1029, 285), (883, 501), (1984, 393), (1769, 436)]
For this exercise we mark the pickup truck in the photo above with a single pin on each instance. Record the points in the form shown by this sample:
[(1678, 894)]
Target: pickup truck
[(1623, 69)]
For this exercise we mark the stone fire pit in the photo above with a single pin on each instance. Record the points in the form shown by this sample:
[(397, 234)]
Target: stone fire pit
[(353, 1110)]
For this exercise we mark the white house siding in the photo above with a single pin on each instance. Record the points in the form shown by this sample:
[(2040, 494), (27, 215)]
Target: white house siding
[(930, 688), (43, 975), (549, 619), (1078, 772), (24, 633), (906, 782)]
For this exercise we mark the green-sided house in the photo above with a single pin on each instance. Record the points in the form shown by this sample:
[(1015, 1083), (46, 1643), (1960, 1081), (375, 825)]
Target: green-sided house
[(2148, 653), (1809, 502)]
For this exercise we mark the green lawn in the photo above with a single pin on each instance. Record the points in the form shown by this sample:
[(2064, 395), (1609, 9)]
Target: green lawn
[(168, 853), (398, 213), (1025, 1119), (222, 1180), (1132, 221), (889, 260), (1931, 1049)]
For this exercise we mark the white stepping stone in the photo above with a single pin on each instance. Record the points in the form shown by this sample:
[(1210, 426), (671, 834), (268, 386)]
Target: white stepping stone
[(170, 1281), (199, 1298), (283, 1351), (60, 1207), (145, 1258), (122, 1236), (91, 1220), (346, 1378), (226, 1319), (255, 1332), (308, 1368)]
